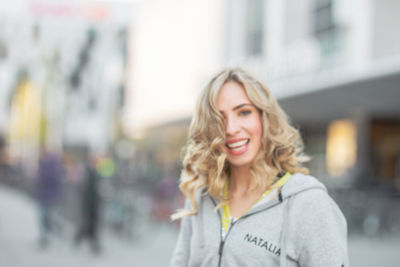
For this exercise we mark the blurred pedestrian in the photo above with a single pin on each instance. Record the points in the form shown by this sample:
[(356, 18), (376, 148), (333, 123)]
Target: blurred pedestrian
[(48, 191), (88, 228), (163, 199), (249, 200), (4, 168)]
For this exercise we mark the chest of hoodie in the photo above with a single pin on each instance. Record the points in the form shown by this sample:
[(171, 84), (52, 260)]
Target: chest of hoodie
[(253, 240)]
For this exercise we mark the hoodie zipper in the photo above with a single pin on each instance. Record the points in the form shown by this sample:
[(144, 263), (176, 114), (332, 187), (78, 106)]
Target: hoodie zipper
[(222, 242), (220, 250)]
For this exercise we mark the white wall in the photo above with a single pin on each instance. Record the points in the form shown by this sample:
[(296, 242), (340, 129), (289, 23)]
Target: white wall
[(386, 31)]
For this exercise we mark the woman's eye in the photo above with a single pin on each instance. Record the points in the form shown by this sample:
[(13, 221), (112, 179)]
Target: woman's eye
[(244, 112)]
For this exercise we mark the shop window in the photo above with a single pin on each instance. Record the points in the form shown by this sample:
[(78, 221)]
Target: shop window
[(385, 150), (341, 147)]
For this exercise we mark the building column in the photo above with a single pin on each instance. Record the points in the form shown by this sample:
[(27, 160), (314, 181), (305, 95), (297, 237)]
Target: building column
[(362, 170)]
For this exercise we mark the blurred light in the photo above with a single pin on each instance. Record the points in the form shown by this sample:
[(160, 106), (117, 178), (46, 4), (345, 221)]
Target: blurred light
[(105, 167), (116, 1), (93, 12), (341, 146), (25, 119), (25, 112)]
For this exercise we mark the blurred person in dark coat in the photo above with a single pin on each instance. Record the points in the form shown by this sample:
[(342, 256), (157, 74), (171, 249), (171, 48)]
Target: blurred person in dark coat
[(49, 190), (90, 205), (3, 160)]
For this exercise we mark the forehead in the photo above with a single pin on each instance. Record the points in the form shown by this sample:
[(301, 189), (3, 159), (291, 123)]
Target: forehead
[(231, 95)]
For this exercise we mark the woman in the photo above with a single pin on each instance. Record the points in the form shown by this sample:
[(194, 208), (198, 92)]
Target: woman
[(249, 200)]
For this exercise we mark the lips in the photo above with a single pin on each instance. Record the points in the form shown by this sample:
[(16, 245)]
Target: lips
[(237, 146)]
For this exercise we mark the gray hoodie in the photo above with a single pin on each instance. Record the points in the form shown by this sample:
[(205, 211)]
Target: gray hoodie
[(302, 227)]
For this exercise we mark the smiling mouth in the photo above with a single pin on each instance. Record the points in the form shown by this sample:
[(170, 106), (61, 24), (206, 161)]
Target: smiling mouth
[(238, 146)]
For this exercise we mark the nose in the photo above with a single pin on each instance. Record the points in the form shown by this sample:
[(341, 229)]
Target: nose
[(232, 126)]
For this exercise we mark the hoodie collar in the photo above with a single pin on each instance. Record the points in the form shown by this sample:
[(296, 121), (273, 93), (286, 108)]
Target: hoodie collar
[(297, 184)]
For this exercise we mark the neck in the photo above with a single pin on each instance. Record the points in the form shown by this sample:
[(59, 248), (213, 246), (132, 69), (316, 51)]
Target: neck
[(240, 180)]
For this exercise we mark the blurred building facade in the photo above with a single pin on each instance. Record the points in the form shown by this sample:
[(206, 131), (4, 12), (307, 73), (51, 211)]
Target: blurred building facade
[(62, 75), (63, 84), (336, 72)]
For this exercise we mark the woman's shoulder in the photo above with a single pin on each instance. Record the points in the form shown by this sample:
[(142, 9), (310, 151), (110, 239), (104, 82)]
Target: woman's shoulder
[(318, 226), (307, 190), (299, 184), (311, 197)]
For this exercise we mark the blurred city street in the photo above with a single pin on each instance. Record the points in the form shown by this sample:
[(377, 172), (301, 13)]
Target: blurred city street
[(97, 99), (19, 248)]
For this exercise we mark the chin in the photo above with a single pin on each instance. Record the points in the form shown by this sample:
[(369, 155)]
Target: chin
[(240, 163)]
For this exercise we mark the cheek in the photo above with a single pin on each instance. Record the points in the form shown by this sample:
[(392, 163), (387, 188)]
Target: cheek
[(256, 129)]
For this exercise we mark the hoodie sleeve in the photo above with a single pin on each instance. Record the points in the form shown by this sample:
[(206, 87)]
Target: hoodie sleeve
[(325, 234), (181, 255)]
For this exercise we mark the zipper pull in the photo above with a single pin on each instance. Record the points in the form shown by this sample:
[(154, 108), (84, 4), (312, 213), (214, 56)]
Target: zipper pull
[(221, 247)]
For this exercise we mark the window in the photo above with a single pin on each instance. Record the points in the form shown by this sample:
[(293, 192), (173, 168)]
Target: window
[(326, 29), (323, 18), (254, 27)]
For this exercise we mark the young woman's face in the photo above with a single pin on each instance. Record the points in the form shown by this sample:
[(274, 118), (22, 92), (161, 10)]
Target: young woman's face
[(243, 126)]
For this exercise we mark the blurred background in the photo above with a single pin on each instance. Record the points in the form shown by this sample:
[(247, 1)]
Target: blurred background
[(96, 98)]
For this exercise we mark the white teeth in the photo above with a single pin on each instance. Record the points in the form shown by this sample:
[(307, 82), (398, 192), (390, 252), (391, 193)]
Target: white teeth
[(237, 144), (237, 149)]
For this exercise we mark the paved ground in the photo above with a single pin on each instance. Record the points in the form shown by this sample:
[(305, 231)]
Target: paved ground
[(19, 232), (19, 246), (374, 252)]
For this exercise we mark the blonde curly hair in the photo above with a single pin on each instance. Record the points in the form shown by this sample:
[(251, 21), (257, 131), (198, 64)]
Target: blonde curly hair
[(205, 165)]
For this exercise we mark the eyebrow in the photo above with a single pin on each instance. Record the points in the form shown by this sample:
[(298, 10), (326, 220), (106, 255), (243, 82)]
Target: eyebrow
[(240, 106)]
